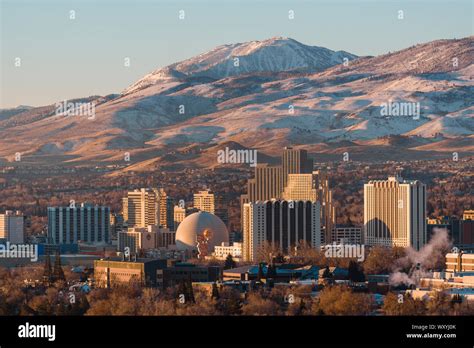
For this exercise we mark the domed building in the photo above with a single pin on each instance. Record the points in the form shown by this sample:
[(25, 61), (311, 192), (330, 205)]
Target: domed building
[(201, 232)]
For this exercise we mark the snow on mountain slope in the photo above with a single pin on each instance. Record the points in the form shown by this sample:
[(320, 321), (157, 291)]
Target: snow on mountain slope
[(276, 54), (283, 93)]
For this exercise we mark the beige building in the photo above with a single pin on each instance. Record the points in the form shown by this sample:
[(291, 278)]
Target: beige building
[(205, 201), (112, 273), (138, 238), (165, 213), (225, 249), (295, 161), (145, 207), (166, 238), (300, 187), (141, 238), (267, 184), (179, 213), (12, 227), (395, 213), (459, 262), (468, 215), (140, 208)]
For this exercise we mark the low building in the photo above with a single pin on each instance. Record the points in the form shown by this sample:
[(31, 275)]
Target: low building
[(182, 271), (468, 215), (225, 249), (166, 238), (116, 272), (137, 238), (459, 262), (284, 273), (347, 235), (145, 238)]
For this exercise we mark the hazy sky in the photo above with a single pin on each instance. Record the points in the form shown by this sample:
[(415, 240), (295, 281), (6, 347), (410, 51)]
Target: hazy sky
[(63, 58)]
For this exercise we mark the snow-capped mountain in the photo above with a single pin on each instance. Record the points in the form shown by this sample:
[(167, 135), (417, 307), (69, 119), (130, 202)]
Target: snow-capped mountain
[(276, 54), (282, 92)]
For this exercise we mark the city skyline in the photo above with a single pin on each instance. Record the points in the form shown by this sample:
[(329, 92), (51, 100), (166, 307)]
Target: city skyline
[(203, 162)]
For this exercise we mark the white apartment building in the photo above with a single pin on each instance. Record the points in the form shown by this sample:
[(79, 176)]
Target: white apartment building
[(222, 251)]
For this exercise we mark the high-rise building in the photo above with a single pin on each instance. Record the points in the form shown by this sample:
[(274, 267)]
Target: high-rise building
[(395, 212), (301, 187), (165, 210), (269, 181), (179, 215), (87, 223), (328, 210), (145, 207), (313, 187), (205, 201), (295, 161), (140, 208), (116, 225), (12, 227), (281, 223)]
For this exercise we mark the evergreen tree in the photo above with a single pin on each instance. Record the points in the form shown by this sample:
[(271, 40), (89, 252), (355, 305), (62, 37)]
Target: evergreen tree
[(355, 272), (326, 273), (229, 262), (271, 272), (260, 275), (215, 291), (279, 258), (58, 273), (190, 291), (47, 270)]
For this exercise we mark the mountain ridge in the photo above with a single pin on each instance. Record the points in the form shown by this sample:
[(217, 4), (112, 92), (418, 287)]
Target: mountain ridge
[(310, 106)]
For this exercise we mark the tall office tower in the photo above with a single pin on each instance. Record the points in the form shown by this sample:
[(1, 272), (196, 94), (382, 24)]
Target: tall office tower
[(313, 187), (12, 227), (395, 212), (116, 225), (281, 223), (301, 187), (165, 210), (295, 161), (267, 183), (87, 223), (328, 210), (179, 215), (140, 208), (205, 201)]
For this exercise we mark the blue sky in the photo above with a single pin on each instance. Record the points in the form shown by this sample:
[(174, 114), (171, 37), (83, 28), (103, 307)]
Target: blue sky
[(63, 58)]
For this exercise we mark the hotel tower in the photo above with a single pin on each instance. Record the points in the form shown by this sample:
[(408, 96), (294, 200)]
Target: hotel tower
[(395, 212)]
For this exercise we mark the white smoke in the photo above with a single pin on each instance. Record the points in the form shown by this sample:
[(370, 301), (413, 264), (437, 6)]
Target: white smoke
[(420, 263)]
